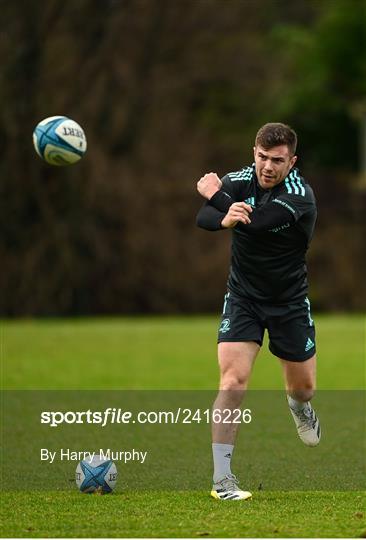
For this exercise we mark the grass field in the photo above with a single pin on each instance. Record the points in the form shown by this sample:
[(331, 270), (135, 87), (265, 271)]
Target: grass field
[(170, 354)]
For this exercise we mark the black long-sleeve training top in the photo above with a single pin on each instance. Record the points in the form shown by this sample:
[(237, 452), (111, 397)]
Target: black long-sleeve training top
[(268, 255)]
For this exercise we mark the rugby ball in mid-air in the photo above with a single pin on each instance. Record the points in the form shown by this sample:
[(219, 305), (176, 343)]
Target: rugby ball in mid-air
[(59, 140), (96, 476)]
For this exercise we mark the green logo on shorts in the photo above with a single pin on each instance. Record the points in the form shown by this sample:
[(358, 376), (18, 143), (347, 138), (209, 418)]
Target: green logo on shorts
[(225, 326), (309, 345)]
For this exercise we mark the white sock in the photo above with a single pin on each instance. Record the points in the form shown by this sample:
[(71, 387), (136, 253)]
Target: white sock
[(222, 454), (296, 405)]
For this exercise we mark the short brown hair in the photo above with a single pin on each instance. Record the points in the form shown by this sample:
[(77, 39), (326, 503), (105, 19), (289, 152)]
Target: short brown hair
[(275, 134)]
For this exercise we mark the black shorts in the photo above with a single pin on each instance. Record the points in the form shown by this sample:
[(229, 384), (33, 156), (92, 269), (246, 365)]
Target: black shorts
[(290, 327)]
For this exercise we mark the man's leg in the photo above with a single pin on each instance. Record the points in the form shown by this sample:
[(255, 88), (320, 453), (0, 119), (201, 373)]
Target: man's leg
[(300, 380), (236, 360)]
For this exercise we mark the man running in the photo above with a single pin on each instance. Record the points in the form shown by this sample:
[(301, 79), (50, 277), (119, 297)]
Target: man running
[(271, 211)]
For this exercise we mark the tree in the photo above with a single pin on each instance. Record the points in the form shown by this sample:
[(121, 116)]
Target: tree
[(323, 81)]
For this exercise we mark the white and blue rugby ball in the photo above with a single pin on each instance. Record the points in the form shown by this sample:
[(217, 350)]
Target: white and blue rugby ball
[(96, 476), (58, 140)]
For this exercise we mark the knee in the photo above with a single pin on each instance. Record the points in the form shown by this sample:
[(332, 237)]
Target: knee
[(233, 380), (303, 393)]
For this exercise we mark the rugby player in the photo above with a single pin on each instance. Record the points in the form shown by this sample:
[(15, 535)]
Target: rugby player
[(271, 211)]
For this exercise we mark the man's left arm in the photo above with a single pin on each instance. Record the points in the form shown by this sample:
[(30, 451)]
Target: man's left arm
[(275, 213), (270, 215), (283, 210)]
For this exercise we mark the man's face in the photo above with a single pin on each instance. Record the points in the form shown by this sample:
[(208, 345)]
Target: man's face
[(273, 165)]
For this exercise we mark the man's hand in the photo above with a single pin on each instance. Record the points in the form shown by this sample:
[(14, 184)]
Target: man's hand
[(208, 185), (239, 211)]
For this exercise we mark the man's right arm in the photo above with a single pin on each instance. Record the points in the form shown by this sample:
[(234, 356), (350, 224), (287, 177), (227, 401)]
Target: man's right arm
[(209, 218), (220, 210), (212, 219)]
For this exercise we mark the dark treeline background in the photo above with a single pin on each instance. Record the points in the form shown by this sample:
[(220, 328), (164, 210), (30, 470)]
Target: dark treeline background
[(166, 91)]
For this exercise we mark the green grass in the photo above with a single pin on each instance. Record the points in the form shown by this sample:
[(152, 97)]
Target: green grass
[(159, 353), (170, 353), (185, 514)]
